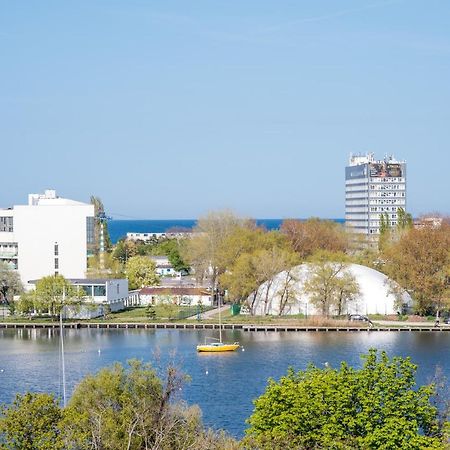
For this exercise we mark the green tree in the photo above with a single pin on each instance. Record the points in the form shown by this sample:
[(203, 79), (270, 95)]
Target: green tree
[(250, 270), (53, 292), (347, 291), (26, 303), (124, 250), (330, 284), (150, 312), (31, 422), (140, 271), (10, 283), (385, 231), (105, 267), (376, 407), (203, 251), (131, 408), (404, 220)]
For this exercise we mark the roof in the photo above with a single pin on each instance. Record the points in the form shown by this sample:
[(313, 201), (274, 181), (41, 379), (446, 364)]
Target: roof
[(173, 291), (86, 280), (376, 294)]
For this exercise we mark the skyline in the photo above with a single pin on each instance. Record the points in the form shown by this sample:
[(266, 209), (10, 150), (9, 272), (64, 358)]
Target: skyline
[(169, 110)]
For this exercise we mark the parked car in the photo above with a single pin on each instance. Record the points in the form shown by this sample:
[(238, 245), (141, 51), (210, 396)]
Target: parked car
[(446, 320), (360, 317)]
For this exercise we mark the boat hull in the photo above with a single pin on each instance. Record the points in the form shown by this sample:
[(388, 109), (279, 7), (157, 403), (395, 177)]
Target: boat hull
[(217, 348)]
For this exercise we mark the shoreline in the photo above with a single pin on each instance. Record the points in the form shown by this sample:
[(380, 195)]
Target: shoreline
[(213, 326)]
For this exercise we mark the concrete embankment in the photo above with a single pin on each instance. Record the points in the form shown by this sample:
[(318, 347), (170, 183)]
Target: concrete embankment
[(210, 326)]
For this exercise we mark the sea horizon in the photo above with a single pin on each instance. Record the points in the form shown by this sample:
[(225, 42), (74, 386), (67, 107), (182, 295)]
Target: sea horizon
[(118, 228)]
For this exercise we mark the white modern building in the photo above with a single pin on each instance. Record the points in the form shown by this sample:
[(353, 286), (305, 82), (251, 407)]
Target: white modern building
[(49, 235), (373, 188), (285, 294), (98, 294)]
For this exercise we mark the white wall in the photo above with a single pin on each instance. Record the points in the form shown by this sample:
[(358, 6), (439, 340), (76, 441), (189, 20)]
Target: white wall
[(36, 230)]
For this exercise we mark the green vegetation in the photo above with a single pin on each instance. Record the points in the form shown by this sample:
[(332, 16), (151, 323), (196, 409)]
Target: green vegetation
[(118, 408), (140, 271), (136, 407), (10, 285), (376, 407), (51, 294)]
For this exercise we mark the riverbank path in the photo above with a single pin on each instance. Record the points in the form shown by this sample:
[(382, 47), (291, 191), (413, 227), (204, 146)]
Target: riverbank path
[(211, 313)]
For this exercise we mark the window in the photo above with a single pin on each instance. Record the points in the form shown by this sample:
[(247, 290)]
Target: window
[(56, 263), (56, 249), (6, 224), (100, 291), (87, 290), (90, 234)]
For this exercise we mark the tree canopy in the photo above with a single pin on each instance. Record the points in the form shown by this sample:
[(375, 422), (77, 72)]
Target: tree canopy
[(314, 234), (420, 263), (10, 283), (374, 407), (140, 271), (134, 408)]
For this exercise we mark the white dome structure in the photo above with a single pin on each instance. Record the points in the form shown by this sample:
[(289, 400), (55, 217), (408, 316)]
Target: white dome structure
[(286, 292)]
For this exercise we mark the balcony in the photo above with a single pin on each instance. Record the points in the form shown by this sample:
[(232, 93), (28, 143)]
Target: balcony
[(8, 254)]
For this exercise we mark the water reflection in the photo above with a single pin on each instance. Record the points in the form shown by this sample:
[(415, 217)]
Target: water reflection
[(225, 384)]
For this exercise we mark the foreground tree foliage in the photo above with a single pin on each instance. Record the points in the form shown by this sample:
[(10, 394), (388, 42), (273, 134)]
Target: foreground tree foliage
[(31, 422), (376, 407), (118, 408)]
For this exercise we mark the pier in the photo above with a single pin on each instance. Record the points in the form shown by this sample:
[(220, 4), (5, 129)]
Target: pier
[(211, 326)]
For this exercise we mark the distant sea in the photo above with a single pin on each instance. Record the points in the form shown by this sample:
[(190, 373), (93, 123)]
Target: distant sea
[(119, 228)]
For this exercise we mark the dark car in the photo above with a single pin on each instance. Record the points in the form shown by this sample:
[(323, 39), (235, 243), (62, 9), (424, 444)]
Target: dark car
[(360, 317)]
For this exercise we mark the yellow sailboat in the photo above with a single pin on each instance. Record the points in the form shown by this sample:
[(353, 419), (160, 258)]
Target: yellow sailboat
[(218, 346)]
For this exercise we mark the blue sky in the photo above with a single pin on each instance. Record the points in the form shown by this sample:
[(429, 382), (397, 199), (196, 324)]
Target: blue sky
[(168, 109)]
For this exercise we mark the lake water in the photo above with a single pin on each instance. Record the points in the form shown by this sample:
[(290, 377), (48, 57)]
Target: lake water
[(224, 385)]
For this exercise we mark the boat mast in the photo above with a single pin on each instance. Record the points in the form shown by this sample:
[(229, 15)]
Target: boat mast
[(220, 317), (61, 337)]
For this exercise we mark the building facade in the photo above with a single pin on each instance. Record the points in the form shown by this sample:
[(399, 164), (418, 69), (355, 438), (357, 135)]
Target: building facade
[(176, 295), (49, 235), (373, 188)]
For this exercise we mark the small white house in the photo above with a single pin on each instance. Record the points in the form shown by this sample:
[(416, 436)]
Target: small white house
[(99, 293), (163, 267), (177, 295)]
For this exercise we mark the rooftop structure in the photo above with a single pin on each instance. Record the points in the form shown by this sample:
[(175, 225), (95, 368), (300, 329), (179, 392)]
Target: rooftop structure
[(46, 236), (373, 188)]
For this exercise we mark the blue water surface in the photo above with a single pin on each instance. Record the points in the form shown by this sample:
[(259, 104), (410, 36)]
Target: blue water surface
[(223, 385), (119, 228)]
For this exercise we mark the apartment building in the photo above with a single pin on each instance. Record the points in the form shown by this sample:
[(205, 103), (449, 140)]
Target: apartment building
[(372, 188), (48, 235)]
